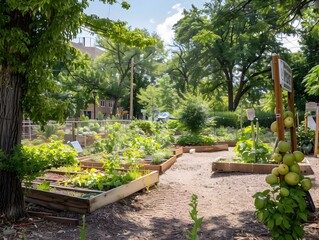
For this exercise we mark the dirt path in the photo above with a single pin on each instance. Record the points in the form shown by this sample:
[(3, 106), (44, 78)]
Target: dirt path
[(224, 200)]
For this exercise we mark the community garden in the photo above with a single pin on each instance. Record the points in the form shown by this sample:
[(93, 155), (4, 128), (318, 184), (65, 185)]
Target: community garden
[(235, 156), (119, 163)]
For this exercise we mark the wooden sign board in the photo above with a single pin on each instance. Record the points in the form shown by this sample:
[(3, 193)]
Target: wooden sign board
[(250, 114), (311, 106), (285, 75)]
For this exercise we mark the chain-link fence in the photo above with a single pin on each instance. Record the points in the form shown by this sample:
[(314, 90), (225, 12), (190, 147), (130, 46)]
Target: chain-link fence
[(82, 131)]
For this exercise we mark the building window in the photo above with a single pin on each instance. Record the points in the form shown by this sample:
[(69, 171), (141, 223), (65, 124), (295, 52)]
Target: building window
[(110, 104), (87, 114), (102, 103)]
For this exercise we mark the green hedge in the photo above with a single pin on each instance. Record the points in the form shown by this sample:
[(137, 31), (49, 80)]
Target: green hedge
[(232, 119), (226, 119)]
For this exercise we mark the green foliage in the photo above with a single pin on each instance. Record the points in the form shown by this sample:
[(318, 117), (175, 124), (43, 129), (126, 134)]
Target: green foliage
[(117, 139), (174, 125), (283, 216), (226, 119), (149, 99), (237, 50), (83, 229), (163, 135), (104, 181), (167, 95), (226, 133), (191, 139), (146, 126), (160, 155), (49, 130), (100, 116), (120, 136), (232, 119), (305, 139), (192, 235), (44, 186), (265, 119), (157, 157), (245, 148), (28, 162), (312, 80), (194, 114)]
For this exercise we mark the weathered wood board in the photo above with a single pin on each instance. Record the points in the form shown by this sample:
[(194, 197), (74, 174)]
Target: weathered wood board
[(161, 168), (213, 148), (222, 166)]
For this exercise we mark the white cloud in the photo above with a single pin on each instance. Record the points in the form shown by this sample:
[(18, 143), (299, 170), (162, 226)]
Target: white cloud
[(152, 21), (164, 30)]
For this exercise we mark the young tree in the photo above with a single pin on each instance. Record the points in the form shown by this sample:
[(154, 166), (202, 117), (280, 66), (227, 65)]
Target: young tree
[(34, 37), (149, 98), (167, 95), (116, 65)]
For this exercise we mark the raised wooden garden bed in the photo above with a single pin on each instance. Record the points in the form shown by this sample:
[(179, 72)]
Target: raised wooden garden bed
[(229, 143), (161, 168), (83, 200), (177, 150), (221, 165), (213, 148), (93, 160), (144, 165)]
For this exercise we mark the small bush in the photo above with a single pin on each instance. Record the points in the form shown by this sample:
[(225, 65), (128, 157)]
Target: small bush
[(191, 139), (194, 115), (226, 119), (146, 126)]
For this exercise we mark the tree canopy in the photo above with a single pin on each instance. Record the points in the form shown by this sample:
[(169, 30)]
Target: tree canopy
[(34, 39)]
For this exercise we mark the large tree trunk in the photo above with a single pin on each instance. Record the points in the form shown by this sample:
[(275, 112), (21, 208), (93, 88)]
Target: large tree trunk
[(115, 104), (11, 195), (230, 89)]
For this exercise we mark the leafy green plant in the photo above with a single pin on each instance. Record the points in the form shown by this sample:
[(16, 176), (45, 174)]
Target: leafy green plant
[(193, 234), (83, 229), (226, 134), (305, 139), (157, 157), (249, 150), (102, 182), (191, 139), (117, 138), (163, 135), (245, 150), (283, 215), (194, 114), (226, 119), (44, 186), (146, 126), (49, 130), (175, 125), (28, 162)]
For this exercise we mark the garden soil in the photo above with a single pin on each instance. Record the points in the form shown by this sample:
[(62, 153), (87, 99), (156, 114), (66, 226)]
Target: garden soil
[(224, 201)]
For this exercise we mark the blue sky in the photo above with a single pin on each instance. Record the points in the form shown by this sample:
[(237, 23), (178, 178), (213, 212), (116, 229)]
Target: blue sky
[(157, 16), (154, 15)]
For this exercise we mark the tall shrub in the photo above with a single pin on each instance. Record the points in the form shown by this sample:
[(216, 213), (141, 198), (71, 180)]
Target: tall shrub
[(194, 115)]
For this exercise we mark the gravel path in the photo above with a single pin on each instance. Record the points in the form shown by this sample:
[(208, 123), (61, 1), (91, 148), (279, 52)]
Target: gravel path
[(224, 200)]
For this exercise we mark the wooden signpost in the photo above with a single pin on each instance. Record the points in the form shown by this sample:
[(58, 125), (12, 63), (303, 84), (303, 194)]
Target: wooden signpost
[(282, 76), (310, 123)]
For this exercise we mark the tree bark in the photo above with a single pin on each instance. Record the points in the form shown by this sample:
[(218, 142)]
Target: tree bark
[(11, 195), (115, 104)]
